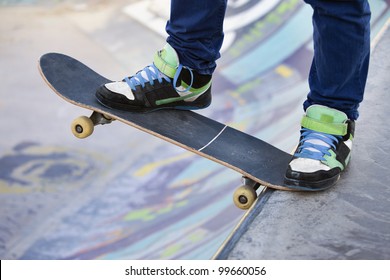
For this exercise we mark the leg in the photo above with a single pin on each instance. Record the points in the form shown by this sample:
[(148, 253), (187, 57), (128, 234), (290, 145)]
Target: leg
[(337, 79), (341, 54), (195, 32), (180, 75)]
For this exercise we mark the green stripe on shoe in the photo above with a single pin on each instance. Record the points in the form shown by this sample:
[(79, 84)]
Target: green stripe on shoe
[(194, 92), (332, 162), (175, 99), (340, 129)]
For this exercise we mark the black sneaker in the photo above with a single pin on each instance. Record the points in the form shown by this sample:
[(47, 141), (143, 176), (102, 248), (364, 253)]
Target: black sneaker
[(324, 149), (165, 84)]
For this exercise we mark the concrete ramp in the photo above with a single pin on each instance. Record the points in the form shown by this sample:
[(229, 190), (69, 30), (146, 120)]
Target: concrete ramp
[(351, 220)]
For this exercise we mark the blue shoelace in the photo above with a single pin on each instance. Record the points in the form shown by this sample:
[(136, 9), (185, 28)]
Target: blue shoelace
[(315, 151), (152, 76)]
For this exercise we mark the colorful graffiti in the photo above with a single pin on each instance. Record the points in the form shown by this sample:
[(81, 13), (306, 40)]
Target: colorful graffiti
[(164, 203)]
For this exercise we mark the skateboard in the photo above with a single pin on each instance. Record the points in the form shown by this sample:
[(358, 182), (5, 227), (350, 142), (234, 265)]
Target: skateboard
[(259, 163)]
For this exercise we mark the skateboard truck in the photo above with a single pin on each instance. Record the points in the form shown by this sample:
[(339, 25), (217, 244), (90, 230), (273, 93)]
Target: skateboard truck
[(245, 195), (83, 126)]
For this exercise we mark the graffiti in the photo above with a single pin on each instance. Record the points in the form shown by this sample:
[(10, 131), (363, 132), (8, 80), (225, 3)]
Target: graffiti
[(30, 167), (253, 33), (164, 203)]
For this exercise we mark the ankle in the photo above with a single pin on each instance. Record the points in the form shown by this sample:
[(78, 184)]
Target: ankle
[(197, 80)]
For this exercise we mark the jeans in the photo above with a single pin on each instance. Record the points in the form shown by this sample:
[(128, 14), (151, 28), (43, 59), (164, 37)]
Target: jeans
[(341, 39)]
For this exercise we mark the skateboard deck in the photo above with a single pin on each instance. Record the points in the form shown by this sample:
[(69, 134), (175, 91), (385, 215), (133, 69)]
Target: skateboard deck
[(260, 163)]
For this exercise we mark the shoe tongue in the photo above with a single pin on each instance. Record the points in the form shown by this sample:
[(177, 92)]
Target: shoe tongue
[(326, 115), (167, 61)]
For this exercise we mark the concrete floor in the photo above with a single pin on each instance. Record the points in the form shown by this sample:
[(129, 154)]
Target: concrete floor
[(349, 221)]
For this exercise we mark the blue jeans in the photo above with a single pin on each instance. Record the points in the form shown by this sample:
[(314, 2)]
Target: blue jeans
[(341, 46)]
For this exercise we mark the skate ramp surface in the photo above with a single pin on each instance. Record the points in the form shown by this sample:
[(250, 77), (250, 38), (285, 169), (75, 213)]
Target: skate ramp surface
[(122, 194), (349, 221)]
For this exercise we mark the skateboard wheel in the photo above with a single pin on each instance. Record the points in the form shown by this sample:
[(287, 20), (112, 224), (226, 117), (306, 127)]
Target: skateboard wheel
[(244, 197), (82, 127)]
